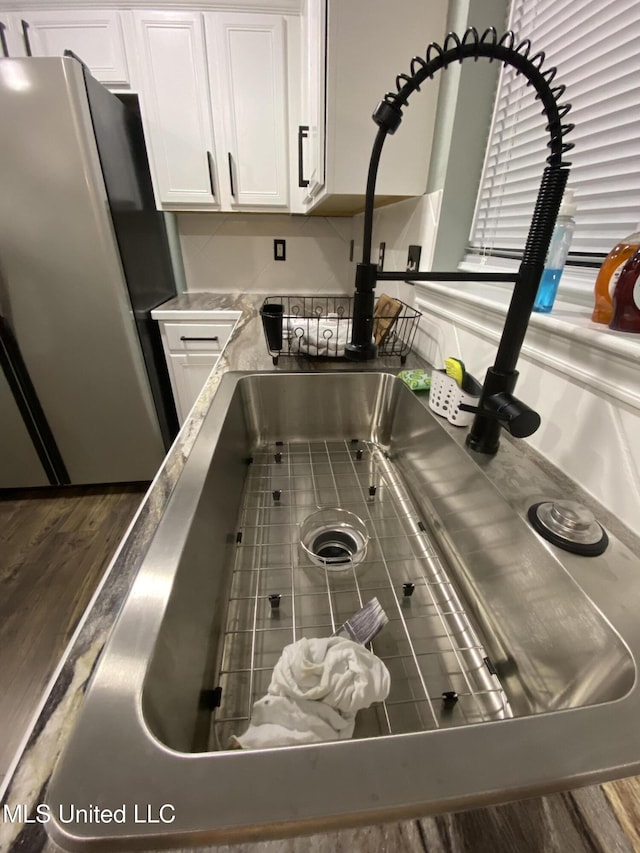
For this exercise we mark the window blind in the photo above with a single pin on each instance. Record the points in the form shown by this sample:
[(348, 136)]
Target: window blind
[(594, 46)]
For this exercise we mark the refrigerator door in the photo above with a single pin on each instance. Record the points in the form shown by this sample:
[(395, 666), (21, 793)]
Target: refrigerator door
[(64, 295), (140, 233)]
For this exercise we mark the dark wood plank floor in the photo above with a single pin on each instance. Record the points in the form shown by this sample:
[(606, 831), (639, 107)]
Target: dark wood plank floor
[(55, 545)]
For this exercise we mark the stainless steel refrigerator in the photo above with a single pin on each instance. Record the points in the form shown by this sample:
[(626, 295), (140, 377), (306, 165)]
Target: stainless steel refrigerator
[(84, 256)]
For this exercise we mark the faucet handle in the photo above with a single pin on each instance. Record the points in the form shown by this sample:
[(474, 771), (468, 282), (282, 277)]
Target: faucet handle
[(514, 415)]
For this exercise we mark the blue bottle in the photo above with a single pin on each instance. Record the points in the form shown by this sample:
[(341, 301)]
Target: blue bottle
[(557, 255)]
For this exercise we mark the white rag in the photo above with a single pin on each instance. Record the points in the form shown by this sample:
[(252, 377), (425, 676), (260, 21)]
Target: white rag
[(322, 336), (316, 690)]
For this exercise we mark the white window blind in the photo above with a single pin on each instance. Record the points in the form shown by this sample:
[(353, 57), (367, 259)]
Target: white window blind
[(595, 45)]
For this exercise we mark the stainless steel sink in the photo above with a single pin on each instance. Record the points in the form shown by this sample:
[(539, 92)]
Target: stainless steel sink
[(538, 645)]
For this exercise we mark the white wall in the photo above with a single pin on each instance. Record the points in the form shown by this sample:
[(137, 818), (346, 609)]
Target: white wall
[(231, 252), (413, 222)]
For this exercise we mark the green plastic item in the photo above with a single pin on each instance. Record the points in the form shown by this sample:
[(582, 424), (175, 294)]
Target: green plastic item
[(417, 380)]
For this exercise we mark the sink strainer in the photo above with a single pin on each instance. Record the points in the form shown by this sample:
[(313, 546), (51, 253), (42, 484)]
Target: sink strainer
[(334, 539), (569, 525)]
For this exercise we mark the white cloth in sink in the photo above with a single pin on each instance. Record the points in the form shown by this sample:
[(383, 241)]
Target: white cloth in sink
[(316, 690), (320, 337)]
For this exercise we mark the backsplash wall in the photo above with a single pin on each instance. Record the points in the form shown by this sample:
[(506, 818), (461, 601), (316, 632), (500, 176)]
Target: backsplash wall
[(414, 221), (231, 252), (410, 222)]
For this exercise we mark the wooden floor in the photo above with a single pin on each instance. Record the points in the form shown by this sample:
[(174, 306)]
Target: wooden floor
[(55, 545)]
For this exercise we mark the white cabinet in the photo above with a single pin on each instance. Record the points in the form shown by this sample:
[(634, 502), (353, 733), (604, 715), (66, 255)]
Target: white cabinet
[(213, 91), (359, 71), (176, 109), (188, 374), (247, 69), (96, 37), (192, 348), (11, 35), (257, 111)]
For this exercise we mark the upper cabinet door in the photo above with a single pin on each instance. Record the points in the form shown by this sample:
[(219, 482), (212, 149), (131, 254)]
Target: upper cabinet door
[(311, 143), (356, 73), (247, 67), (174, 95), (96, 37)]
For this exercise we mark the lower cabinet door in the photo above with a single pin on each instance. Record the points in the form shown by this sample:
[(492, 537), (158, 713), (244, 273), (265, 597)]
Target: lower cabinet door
[(188, 374)]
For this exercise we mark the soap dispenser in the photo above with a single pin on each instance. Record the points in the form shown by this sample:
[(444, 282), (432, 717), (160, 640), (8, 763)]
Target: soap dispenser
[(557, 254), (626, 297), (608, 276)]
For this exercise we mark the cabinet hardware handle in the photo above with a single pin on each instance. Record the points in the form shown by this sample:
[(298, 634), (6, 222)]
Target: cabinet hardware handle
[(233, 190), (73, 55), (3, 41), (303, 133), (184, 338), (25, 35), (210, 165)]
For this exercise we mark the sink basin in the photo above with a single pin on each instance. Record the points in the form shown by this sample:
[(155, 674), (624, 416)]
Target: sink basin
[(538, 645)]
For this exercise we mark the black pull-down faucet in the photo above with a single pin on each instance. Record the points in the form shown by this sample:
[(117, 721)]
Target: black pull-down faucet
[(497, 407)]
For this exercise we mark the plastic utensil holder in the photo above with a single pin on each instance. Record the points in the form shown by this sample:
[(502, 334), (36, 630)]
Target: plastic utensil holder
[(446, 396)]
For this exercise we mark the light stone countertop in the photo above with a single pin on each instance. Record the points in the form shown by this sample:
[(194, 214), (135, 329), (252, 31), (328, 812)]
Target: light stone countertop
[(598, 819)]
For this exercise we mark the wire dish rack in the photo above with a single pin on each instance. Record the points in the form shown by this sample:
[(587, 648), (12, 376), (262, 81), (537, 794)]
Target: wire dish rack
[(320, 326)]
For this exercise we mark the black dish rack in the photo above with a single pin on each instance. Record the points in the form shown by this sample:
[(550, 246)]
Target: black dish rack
[(320, 326)]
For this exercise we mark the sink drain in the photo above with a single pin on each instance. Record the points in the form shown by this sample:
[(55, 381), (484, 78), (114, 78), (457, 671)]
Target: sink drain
[(334, 538), (335, 545)]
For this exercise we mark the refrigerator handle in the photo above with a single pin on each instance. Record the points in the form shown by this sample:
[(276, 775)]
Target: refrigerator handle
[(25, 36), (34, 418), (233, 191), (3, 41), (210, 165)]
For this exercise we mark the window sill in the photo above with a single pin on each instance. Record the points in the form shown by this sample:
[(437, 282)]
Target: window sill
[(565, 341), (576, 284)]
